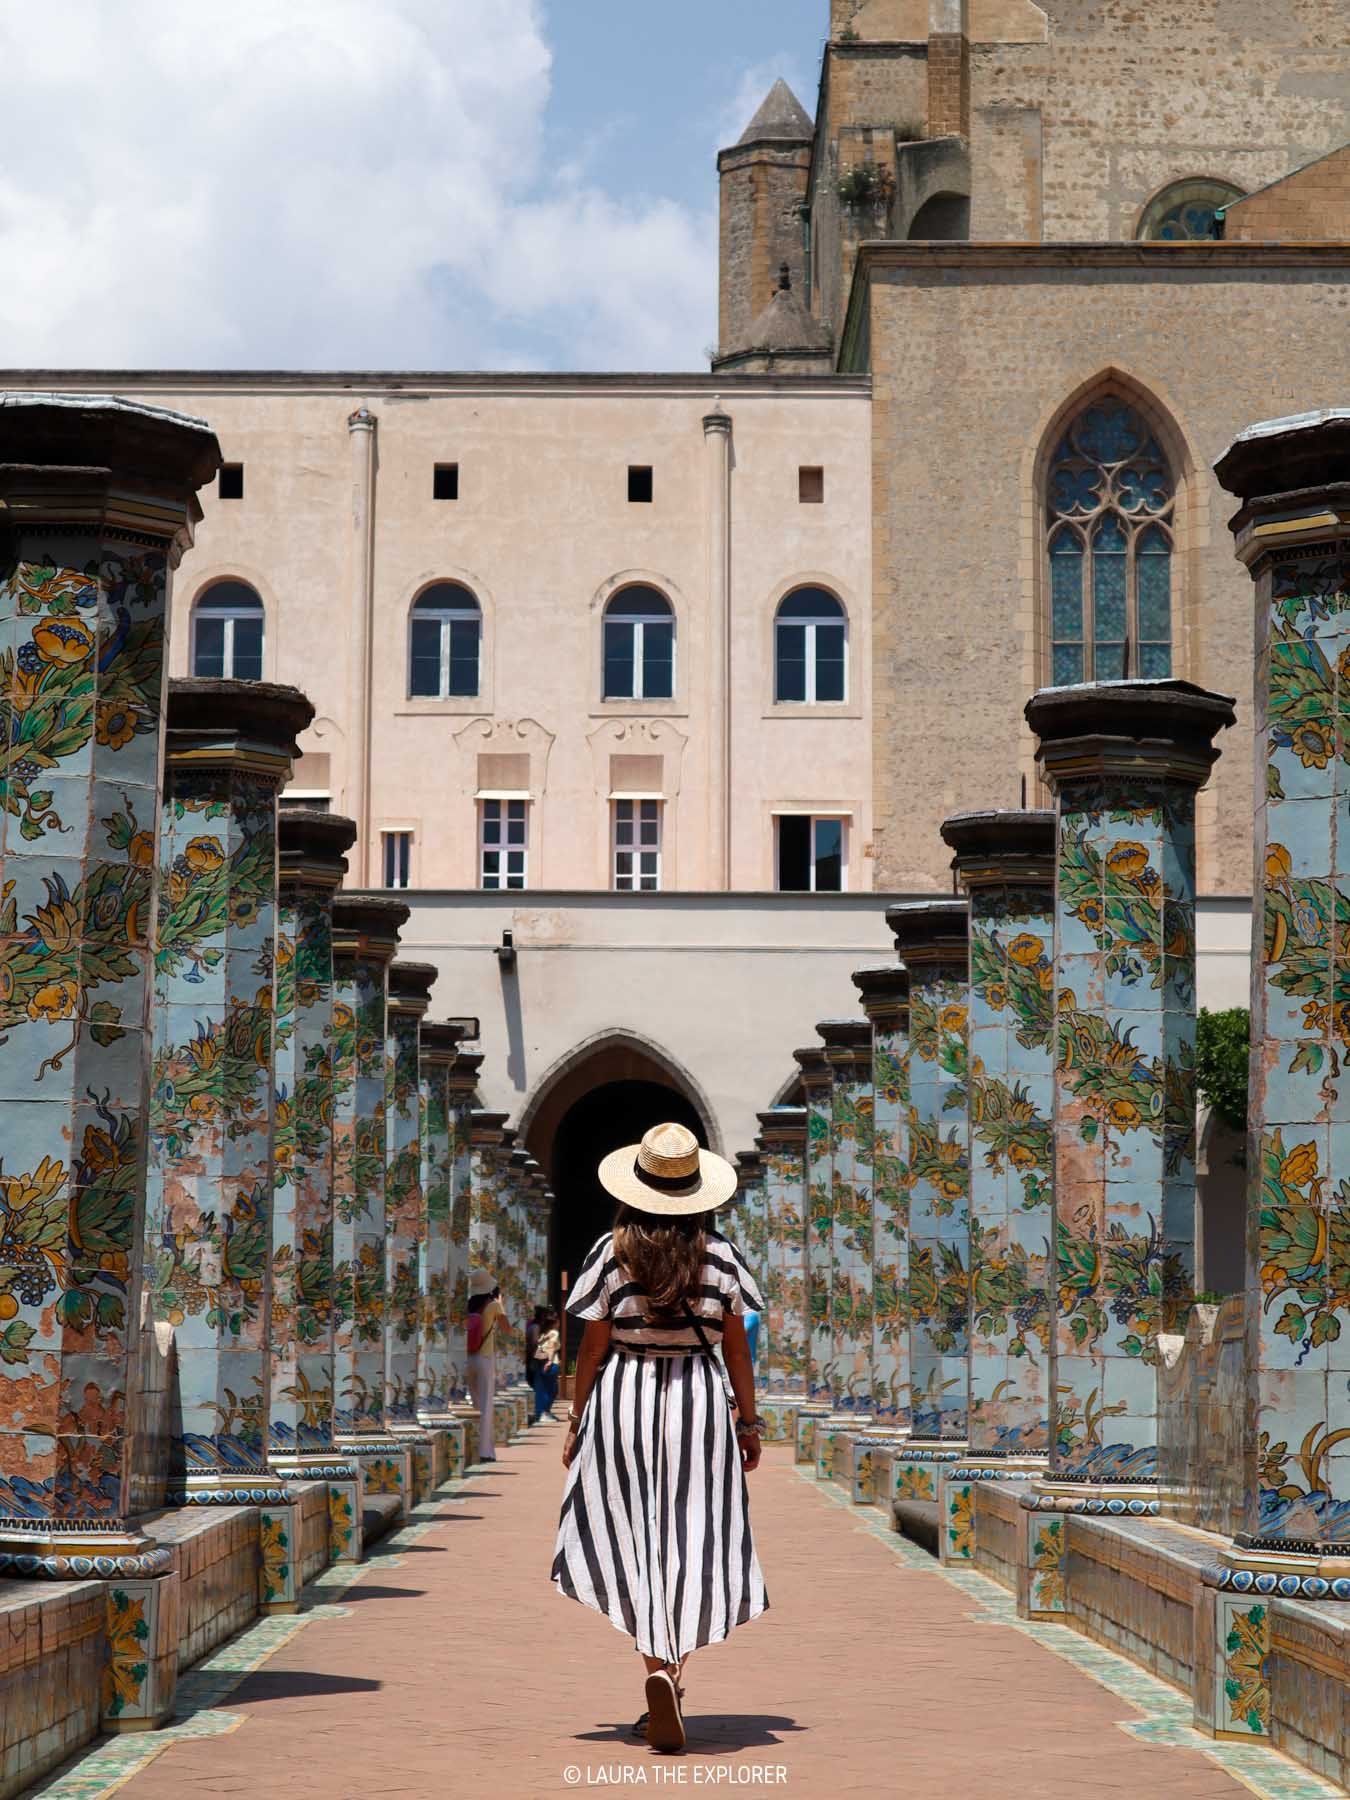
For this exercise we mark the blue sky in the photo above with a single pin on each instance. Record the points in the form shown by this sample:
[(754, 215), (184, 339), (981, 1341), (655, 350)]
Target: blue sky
[(377, 183), (651, 103)]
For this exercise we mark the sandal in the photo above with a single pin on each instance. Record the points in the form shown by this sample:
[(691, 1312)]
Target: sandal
[(640, 1724), (665, 1724)]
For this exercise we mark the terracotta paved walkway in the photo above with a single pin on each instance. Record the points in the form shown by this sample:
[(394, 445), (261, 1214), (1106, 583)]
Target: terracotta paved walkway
[(459, 1672)]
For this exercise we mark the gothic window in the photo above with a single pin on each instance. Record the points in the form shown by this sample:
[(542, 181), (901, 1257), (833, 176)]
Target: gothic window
[(227, 632), (1187, 210), (444, 641), (810, 649), (1110, 498), (639, 647)]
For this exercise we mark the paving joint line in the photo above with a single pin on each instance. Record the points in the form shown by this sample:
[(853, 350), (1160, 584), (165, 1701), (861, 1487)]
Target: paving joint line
[(106, 1764), (1261, 1768)]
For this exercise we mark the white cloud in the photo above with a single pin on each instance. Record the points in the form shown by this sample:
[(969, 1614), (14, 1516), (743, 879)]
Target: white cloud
[(328, 183)]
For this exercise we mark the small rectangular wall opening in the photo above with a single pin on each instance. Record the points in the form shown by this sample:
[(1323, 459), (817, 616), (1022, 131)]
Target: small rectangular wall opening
[(639, 484), (230, 485), (445, 481), (811, 486)]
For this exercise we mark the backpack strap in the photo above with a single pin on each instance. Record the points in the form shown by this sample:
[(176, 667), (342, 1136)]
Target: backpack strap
[(692, 1317)]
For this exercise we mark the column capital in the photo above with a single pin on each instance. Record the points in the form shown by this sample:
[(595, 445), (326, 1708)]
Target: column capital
[(884, 990), (1293, 479), (464, 1075), (749, 1165), (814, 1067), (1001, 848), (312, 849), (848, 1044), (91, 461), (930, 932), (718, 421), (366, 926), (410, 985), (1128, 730), (245, 727), (363, 419), (486, 1127), (439, 1044), (783, 1125)]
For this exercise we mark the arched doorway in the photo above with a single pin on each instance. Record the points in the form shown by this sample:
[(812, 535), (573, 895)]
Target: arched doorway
[(607, 1093)]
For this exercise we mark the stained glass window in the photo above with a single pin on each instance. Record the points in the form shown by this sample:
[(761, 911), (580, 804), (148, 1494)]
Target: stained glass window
[(1187, 211), (1109, 506)]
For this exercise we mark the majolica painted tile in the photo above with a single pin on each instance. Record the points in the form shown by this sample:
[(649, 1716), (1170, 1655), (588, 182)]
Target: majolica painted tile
[(1006, 863), (312, 863), (848, 1051), (819, 1222), (405, 1202), (783, 1356), (208, 1248), (1125, 761), (932, 940), (365, 936), (84, 596), (462, 1100), (438, 1049), (1299, 1487)]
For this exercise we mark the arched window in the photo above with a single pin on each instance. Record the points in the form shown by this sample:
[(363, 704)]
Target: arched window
[(227, 632), (810, 648), (639, 650), (1187, 210), (444, 641), (1109, 510)]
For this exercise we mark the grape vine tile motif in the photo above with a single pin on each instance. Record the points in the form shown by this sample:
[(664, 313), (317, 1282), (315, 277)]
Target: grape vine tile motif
[(1244, 1648)]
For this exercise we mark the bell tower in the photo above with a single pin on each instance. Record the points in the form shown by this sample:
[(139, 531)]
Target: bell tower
[(763, 188)]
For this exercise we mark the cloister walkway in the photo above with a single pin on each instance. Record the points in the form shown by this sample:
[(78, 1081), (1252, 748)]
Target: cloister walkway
[(446, 1666)]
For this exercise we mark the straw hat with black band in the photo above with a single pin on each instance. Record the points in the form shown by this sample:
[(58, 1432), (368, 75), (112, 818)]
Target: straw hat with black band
[(668, 1174)]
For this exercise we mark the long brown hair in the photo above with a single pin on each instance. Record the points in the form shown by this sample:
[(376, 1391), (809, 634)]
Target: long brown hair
[(662, 1253)]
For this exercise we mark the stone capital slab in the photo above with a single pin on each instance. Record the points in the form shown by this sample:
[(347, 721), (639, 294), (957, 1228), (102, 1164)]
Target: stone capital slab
[(312, 849), (1002, 848), (366, 926), (930, 931), (1128, 731), (234, 727)]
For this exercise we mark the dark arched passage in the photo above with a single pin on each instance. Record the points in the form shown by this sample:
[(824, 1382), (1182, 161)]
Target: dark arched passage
[(606, 1094)]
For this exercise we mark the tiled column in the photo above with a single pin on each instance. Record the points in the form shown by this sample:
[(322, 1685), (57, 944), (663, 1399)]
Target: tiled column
[(229, 747), (520, 1301), (365, 939), (932, 939), (885, 999), (1006, 863), (488, 1155), (1125, 761), (439, 1048), (744, 1218), (782, 1365), (463, 1083), (819, 1213), (1292, 478), (312, 847), (98, 499), (848, 1050), (410, 987)]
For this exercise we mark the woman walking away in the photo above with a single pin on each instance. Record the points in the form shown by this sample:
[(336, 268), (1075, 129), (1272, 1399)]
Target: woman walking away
[(655, 1527), (544, 1369), (486, 1312)]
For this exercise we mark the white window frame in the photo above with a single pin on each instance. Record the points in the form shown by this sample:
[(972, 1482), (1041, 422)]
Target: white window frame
[(228, 620), (629, 842), (810, 626), (843, 820), (388, 837), (614, 614), (501, 881), (445, 617)]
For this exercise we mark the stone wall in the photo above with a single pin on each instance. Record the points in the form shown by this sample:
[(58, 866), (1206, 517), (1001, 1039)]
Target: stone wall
[(1310, 205), (1033, 335), (762, 189)]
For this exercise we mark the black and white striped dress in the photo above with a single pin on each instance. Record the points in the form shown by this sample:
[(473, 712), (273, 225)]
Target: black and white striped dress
[(655, 1526)]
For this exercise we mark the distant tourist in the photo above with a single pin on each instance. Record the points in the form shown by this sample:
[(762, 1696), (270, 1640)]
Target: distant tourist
[(544, 1371), (650, 1439), (486, 1313), (752, 1336)]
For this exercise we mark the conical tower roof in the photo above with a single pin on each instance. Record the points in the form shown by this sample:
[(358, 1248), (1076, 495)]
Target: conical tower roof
[(785, 324), (782, 119)]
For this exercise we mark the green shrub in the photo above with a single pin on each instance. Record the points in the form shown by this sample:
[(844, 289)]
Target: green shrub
[(1222, 1045)]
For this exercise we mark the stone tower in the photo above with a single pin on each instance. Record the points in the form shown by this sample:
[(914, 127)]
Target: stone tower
[(763, 181)]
